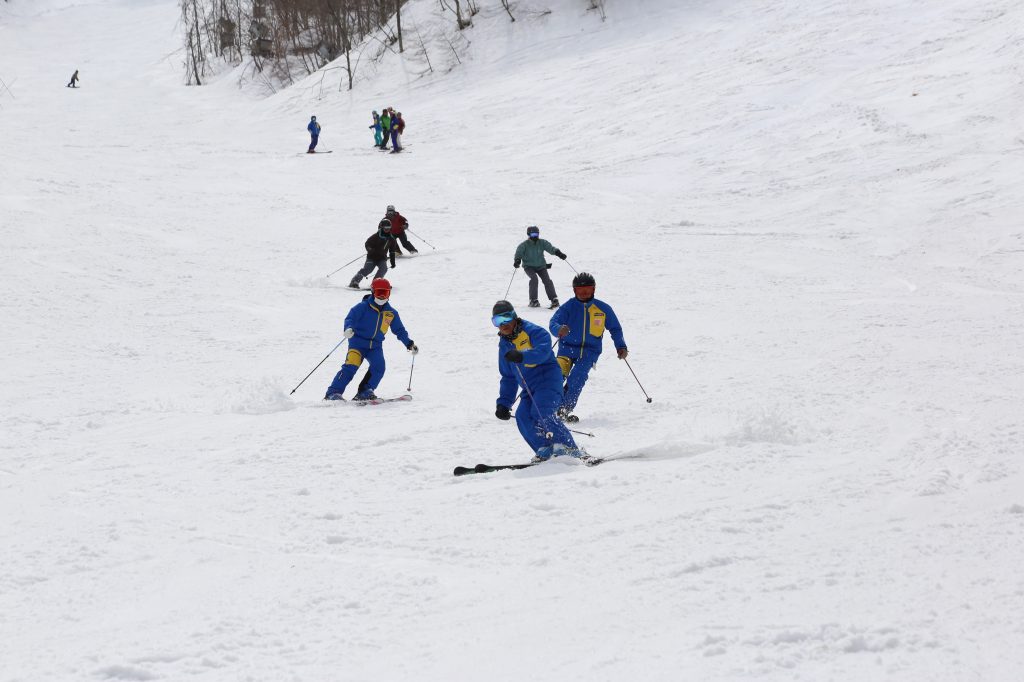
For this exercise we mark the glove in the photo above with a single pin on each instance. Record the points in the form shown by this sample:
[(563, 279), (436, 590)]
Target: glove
[(561, 255), (349, 333), (547, 266), (514, 356), (412, 348), (622, 352), (563, 330), (502, 413), (516, 263)]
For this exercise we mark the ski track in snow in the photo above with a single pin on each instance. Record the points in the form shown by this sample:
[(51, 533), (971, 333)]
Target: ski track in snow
[(806, 215)]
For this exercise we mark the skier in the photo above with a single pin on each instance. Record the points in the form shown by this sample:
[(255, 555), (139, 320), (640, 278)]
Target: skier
[(365, 327), (580, 325), (525, 360), (397, 128), (314, 134), (531, 254), (376, 130), (385, 127), (74, 80), (398, 227), (379, 247)]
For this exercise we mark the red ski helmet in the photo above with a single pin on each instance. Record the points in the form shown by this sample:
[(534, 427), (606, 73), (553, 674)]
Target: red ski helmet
[(381, 288)]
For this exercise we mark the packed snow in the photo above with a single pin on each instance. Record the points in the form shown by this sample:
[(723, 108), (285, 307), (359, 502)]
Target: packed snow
[(807, 216)]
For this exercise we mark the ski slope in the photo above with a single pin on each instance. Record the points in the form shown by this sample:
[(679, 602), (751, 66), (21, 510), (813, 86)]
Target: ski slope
[(807, 216)]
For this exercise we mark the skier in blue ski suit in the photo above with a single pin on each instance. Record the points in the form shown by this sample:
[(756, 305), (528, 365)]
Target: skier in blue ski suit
[(579, 325), (365, 326), (525, 361), (314, 134), (375, 126)]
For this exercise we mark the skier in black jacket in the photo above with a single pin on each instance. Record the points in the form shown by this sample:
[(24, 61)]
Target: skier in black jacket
[(379, 248)]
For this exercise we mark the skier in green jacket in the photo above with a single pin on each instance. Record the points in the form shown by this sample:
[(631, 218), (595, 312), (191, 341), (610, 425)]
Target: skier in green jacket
[(531, 255), (385, 126)]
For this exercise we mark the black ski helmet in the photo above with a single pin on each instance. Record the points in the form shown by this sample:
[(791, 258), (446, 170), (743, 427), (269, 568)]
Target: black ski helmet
[(385, 225), (502, 307), (584, 279), (532, 229)]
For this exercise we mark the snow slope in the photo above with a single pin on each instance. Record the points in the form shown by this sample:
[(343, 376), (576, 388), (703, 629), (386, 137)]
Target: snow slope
[(806, 214)]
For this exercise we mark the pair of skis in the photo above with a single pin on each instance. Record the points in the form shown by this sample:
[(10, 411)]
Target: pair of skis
[(488, 468)]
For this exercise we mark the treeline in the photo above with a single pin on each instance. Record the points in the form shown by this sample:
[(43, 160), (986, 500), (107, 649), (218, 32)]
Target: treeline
[(289, 38), (284, 35)]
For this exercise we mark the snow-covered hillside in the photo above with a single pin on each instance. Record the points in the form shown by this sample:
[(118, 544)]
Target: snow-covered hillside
[(807, 216)]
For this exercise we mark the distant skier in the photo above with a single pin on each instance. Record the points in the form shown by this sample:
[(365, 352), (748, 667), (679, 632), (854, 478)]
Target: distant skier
[(385, 127), (379, 248), (525, 361), (314, 134), (74, 80), (580, 324), (531, 254), (377, 137), (398, 226), (397, 128), (365, 327)]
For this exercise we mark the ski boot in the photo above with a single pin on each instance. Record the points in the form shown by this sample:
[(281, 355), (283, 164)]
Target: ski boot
[(543, 454), (534, 303), (565, 415), (366, 395), (554, 304), (333, 396)]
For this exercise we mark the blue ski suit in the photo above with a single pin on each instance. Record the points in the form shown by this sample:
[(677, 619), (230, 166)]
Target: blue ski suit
[(370, 322), (314, 134), (579, 350), (540, 377)]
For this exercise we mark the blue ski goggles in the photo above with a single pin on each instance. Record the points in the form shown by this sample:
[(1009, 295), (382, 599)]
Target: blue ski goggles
[(503, 318)]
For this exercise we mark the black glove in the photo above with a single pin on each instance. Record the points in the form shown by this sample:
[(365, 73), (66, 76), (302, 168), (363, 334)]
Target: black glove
[(502, 413), (514, 356), (516, 263), (561, 255), (547, 266), (412, 348)]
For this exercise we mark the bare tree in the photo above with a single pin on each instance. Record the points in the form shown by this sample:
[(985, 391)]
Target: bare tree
[(398, 20)]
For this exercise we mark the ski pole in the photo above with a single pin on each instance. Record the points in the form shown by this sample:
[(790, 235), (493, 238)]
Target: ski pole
[(317, 366), (573, 269), (582, 433), (637, 380), (411, 365), (514, 271), (420, 238), (347, 264)]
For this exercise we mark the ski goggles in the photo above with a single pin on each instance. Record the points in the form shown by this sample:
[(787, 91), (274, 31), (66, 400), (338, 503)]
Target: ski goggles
[(503, 318)]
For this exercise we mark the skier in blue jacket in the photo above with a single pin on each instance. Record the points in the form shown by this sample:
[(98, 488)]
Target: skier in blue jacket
[(375, 126), (314, 134), (525, 361), (365, 326), (580, 324)]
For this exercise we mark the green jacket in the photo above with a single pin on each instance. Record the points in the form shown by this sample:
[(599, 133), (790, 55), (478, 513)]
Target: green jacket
[(385, 122), (531, 253)]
